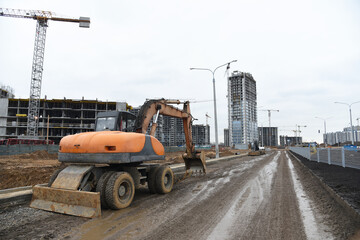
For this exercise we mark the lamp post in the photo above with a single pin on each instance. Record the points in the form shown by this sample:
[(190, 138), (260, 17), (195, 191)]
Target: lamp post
[(352, 128), (215, 114), (325, 138)]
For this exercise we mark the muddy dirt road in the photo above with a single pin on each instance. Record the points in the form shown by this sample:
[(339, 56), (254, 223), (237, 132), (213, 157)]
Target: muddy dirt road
[(265, 197)]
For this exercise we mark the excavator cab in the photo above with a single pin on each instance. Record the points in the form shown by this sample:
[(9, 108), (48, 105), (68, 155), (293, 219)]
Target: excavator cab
[(115, 121)]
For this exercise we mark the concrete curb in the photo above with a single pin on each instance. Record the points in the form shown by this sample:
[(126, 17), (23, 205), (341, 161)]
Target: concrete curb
[(347, 207), (177, 167), (21, 195)]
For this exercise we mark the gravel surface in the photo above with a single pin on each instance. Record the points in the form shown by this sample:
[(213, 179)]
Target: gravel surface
[(266, 197)]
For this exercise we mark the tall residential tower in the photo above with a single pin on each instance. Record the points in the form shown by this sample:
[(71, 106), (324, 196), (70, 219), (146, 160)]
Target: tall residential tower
[(242, 109)]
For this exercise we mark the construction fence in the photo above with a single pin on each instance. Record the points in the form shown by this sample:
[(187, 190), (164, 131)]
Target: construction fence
[(26, 148), (336, 156)]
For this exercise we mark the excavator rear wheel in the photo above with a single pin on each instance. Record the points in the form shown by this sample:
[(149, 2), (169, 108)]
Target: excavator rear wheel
[(120, 190), (101, 186), (164, 180), (151, 179)]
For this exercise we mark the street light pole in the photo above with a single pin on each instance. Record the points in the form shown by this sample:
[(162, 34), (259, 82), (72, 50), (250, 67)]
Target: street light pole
[(325, 138), (214, 93), (352, 128)]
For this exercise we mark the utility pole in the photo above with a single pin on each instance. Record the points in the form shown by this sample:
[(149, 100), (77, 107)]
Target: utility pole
[(352, 128), (325, 136), (214, 94)]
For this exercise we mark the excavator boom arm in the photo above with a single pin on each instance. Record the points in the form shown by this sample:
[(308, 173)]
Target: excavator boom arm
[(161, 106)]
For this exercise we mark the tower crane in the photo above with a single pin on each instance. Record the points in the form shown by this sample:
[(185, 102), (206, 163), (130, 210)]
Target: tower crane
[(269, 114), (41, 18), (207, 117)]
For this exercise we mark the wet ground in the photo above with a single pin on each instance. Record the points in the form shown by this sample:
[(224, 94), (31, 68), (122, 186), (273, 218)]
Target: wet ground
[(265, 197), (344, 181), (37, 167)]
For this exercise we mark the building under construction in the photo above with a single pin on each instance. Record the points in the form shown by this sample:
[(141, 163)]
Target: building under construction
[(242, 109), (69, 116), (268, 136), (65, 116), (290, 141)]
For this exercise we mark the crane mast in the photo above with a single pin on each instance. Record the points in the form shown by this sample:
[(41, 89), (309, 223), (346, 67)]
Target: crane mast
[(42, 18), (269, 114)]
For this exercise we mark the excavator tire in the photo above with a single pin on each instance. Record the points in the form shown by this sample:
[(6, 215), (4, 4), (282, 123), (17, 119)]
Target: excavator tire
[(151, 179), (164, 180), (53, 177), (119, 190), (101, 186)]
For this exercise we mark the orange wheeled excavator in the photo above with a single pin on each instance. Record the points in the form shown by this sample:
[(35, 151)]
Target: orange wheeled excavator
[(107, 165)]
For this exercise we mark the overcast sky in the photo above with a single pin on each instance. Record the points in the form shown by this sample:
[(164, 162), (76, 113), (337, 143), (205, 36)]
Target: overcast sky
[(304, 55)]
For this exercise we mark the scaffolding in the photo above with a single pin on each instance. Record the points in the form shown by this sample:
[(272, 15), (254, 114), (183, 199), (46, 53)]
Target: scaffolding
[(66, 116)]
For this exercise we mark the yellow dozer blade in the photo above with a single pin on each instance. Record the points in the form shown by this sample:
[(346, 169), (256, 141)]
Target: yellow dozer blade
[(64, 197)]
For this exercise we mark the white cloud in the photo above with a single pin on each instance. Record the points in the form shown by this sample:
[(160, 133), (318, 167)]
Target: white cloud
[(304, 55)]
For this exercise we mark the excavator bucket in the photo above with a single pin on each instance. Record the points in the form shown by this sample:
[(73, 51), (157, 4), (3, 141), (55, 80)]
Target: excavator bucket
[(196, 163), (64, 196)]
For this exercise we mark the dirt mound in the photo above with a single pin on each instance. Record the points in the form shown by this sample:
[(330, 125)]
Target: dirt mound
[(38, 155), (19, 177), (27, 169)]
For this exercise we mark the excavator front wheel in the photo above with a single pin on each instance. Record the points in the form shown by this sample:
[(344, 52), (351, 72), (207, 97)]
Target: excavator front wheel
[(164, 180), (120, 190)]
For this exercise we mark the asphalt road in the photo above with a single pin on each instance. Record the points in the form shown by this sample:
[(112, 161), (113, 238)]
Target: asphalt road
[(265, 197)]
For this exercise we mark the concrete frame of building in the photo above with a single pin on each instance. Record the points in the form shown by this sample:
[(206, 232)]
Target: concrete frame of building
[(289, 141), (268, 136), (66, 116), (69, 116)]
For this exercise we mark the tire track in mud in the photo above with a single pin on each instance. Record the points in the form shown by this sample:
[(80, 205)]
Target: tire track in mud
[(277, 216), (159, 210), (246, 204), (313, 229), (204, 213)]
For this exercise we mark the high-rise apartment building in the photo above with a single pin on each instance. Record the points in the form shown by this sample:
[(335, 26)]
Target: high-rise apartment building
[(268, 136), (242, 109)]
